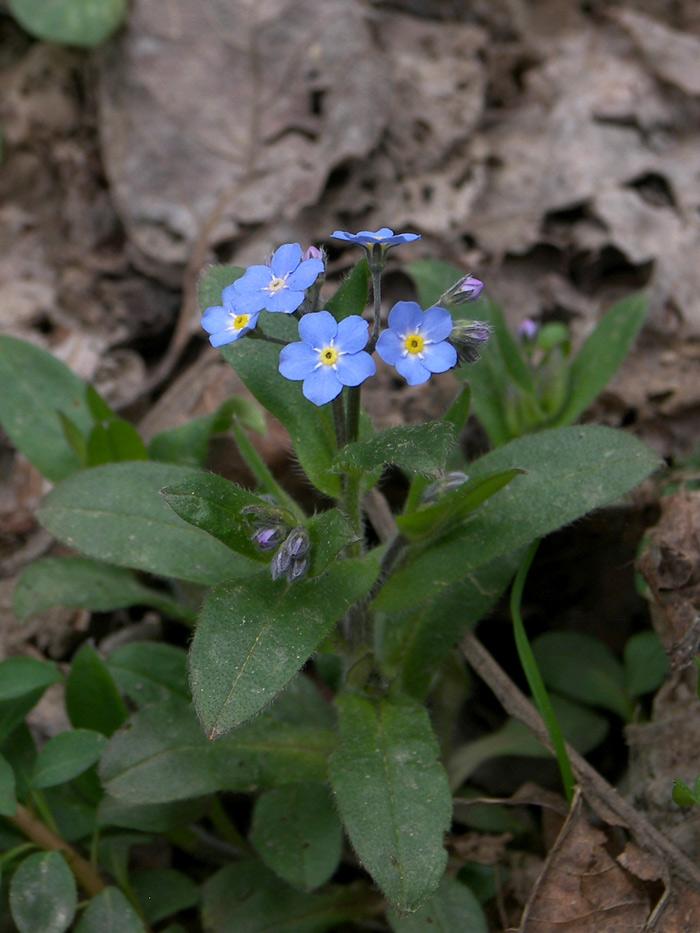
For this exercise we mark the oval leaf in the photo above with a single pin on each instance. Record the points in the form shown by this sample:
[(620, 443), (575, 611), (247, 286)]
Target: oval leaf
[(110, 912), (35, 388), (85, 23), (115, 513), (570, 471), (393, 795), (421, 448), (66, 756), (92, 699), (452, 907), (297, 833), (254, 635), (43, 895), (20, 676), (8, 792)]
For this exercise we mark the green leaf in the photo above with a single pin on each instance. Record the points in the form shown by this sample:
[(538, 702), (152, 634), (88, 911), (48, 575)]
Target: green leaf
[(75, 437), (452, 907), (110, 912), (570, 471), (302, 704), (8, 790), (515, 364), (683, 795), (421, 448), (66, 756), (81, 583), (646, 664), (254, 635), (114, 442), (19, 749), (392, 794), (454, 506), (413, 643), (43, 895), (310, 427), (329, 533), (352, 295), (92, 699), (35, 387), (165, 756), (214, 504), (188, 443), (21, 676), (148, 671), (491, 394), (248, 898), (602, 355), (150, 817), (432, 278), (114, 513), (297, 834), (583, 728), (12, 712), (213, 281), (164, 891), (84, 23), (584, 669)]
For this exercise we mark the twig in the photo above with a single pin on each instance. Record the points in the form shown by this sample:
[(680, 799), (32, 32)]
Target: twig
[(594, 787)]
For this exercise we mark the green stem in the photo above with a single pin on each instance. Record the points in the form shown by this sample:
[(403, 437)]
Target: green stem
[(353, 415), (377, 292), (261, 472), (339, 420), (534, 678)]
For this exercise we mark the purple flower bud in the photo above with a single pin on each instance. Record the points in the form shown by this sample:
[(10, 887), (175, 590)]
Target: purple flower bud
[(313, 252), (297, 570), (467, 289), (467, 338), (528, 329), (448, 482), (267, 539), (290, 559), (297, 542)]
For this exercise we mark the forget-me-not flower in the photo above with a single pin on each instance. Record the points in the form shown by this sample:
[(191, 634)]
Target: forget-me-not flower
[(279, 286), (385, 237), (226, 322), (416, 342), (330, 355)]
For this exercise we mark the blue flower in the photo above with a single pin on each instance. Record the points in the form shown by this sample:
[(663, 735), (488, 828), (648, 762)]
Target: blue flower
[(280, 286), (226, 322), (416, 342), (385, 238), (331, 355)]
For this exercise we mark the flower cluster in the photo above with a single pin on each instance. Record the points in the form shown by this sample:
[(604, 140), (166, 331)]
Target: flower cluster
[(332, 354), (273, 530)]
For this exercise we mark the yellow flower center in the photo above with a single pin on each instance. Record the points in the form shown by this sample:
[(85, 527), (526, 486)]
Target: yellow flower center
[(414, 343), (276, 285), (329, 356), (240, 321)]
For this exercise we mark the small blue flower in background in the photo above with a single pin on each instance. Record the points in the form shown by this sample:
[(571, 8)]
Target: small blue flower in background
[(280, 286), (330, 355), (384, 237), (416, 342), (226, 322)]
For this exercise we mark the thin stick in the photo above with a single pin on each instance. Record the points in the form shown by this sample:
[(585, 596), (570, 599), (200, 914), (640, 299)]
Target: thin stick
[(595, 788)]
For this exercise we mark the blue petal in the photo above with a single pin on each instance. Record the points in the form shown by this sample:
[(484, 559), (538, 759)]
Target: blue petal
[(353, 334), (439, 357), (318, 328), (252, 280), (390, 347), (412, 369), (284, 300), (437, 325), (354, 368), (297, 360), (344, 235), (305, 274), (286, 259), (405, 317), (229, 297), (224, 337), (215, 319), (402, 238), (322, 386), (368, 236)]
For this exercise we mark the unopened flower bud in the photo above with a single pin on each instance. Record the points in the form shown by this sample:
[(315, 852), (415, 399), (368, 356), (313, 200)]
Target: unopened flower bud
[(267, 539), (291, 555), (528, 329), (467, 338), (445, 484), (313, 252), (467, 289)]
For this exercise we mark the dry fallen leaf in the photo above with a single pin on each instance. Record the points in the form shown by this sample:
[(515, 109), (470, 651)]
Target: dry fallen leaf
[(582, 889)]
